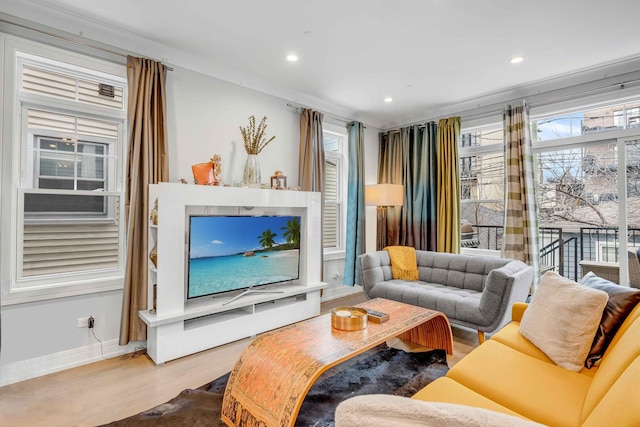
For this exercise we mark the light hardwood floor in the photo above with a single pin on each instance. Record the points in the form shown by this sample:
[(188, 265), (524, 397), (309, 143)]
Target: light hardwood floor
[(116, 388)]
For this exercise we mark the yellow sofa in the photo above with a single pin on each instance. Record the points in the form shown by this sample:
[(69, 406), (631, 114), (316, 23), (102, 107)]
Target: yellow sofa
[(509, 374)]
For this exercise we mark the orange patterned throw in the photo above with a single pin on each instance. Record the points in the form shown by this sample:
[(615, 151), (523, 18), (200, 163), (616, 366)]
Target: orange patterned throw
[(274, 373), (403, 262)]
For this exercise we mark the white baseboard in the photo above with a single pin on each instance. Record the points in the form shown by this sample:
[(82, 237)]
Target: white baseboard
[(38, 366)]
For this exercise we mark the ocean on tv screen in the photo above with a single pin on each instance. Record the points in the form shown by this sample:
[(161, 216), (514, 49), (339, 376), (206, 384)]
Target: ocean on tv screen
[(235, 252)]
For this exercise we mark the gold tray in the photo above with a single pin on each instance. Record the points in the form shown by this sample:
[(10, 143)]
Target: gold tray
[(349, 318)]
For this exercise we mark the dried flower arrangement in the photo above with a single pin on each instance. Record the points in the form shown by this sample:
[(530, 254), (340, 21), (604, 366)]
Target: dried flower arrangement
[(254, 139)]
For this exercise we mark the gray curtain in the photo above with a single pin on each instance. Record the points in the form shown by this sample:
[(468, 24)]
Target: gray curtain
[(408, 157), (355, 244), (147, 163)]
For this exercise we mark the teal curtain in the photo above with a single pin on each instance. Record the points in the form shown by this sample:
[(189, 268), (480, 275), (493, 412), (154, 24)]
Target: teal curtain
[(408, 157), (355, 244)]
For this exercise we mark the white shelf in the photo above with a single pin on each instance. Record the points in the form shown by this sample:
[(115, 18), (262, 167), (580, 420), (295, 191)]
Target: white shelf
[(210, 306), (178, 326)]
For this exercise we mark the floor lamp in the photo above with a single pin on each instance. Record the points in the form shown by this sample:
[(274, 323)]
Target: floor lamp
[(382, 196)]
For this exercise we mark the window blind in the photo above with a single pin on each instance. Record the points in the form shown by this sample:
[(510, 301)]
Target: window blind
[(331, 211), (50, 83), (65, 248)]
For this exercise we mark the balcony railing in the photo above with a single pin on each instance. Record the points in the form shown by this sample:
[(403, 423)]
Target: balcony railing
[(563, 250)]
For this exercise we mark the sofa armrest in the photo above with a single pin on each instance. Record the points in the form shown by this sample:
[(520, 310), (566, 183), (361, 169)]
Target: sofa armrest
[(517, 310), (504, 286), (374, 267)]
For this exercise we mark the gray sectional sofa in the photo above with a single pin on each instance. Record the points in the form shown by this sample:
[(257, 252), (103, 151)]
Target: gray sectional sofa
[(473, 291)]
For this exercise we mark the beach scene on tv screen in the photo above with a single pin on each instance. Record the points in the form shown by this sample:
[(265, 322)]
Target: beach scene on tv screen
[(234, 252)]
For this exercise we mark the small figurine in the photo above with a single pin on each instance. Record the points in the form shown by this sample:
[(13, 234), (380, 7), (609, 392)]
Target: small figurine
[(216, 160), (279, 181)]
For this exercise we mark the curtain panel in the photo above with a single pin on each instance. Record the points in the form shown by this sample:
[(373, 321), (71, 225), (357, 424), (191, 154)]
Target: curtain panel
[(355, 241), (408, 157), (520, 240), (448, 185), (311, 159), (147, 163)]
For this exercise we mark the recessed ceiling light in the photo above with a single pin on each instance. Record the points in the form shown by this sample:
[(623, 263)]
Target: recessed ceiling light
[(516, 59), (388, 99), (292, 57)]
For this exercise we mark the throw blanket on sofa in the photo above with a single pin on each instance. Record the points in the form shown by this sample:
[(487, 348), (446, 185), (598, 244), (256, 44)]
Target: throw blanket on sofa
[(403, 262)]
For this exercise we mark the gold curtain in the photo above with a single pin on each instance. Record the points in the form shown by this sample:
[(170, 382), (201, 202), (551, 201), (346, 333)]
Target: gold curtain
[(448, 223), (311, 159), (147, 163)]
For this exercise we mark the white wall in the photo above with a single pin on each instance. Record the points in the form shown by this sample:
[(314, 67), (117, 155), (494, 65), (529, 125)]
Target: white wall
[(204, 114)]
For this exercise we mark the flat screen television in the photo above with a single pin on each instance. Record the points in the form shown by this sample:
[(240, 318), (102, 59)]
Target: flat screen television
[(230, 253)]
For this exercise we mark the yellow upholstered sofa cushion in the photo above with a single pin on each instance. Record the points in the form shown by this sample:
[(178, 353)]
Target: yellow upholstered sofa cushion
[(508, 374), (539, 390)]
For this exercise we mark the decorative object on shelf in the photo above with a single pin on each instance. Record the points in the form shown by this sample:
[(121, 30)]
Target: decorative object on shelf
[(203, 174), (251, 176), (278, 181), (216, 160), (153, 255), (254, 141), (153, 215), (183, 181), (155, 299), (349, 318)]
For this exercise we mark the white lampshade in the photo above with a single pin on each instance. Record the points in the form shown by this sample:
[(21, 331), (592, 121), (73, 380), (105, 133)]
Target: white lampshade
[(384, 195)]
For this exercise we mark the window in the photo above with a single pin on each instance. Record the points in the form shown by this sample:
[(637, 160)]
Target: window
[(482, 182), (334, 190), (67, 150), (70, 160)]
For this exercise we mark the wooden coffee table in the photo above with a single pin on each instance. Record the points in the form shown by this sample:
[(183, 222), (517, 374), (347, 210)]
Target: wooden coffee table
[(273, 375)]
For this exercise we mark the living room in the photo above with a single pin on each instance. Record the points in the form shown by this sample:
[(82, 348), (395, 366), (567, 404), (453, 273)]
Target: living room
[(208, 100)]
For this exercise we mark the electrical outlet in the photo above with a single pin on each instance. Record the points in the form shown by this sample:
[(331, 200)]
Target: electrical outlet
[(86, 322), (83, 322)]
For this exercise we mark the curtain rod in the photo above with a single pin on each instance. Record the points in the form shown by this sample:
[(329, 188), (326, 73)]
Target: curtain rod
[(499, 107), (71, 40), (300, 107)]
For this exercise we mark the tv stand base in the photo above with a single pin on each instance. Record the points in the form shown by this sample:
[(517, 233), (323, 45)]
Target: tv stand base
[(251, 291)]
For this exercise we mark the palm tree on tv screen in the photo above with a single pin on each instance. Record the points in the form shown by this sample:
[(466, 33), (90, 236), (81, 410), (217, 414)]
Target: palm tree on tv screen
[(266, 238), (292, 232)]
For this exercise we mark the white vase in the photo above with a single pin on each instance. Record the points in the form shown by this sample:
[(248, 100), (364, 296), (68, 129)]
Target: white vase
[(251, 177)]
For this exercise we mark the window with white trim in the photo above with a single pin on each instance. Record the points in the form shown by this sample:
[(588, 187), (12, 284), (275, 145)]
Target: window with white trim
[(67, 150), (335, 188)]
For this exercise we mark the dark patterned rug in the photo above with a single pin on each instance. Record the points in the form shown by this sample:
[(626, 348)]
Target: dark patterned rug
[(379, 370)]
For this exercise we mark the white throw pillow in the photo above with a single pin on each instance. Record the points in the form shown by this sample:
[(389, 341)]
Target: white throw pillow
[(382, 410), (562, 319)]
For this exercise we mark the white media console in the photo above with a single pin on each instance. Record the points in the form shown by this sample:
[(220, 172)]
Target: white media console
[(178, 326)]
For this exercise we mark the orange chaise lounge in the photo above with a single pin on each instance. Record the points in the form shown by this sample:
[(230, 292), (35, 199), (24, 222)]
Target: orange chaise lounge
[(508, 374)]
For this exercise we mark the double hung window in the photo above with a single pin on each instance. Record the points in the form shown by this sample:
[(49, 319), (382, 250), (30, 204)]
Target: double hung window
[(65, 165)]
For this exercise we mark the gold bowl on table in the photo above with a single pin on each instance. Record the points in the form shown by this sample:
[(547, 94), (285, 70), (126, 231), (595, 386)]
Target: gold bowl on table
[(349, 318)]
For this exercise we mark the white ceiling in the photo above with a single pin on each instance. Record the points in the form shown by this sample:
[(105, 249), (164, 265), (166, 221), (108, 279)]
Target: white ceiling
[(425, 54)]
